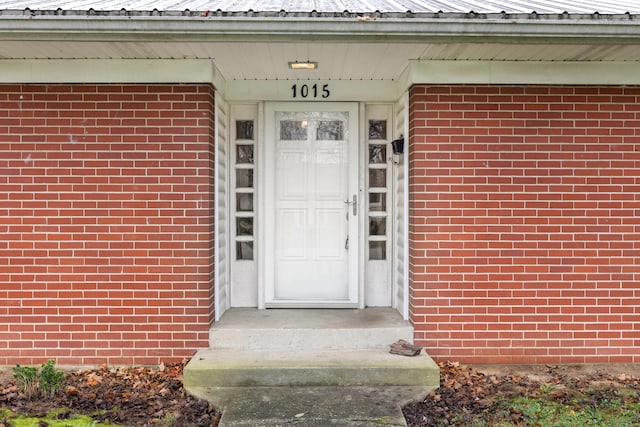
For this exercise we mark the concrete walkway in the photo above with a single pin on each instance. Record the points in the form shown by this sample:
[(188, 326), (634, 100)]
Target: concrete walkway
[(313, 406)]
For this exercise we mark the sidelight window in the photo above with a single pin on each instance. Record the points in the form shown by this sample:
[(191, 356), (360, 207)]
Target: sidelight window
[(244, 165)]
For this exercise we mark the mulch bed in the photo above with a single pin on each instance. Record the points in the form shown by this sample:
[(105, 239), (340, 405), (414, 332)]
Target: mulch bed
[(138, 396), (144, 396), (466, 394)]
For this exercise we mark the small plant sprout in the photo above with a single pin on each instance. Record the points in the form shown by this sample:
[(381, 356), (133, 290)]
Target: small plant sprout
[(32, 383), (546, 388), (50, 379), (27, 378)]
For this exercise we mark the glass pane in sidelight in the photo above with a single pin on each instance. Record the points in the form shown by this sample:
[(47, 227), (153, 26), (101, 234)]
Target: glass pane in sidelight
[(244, 202), (377, 129), (244, 178), (378, 178), (244, 226), (377, 153), (293, 130), (330, 131), (244, 250), (377, 226), (244, 153), (378, 250), (244, 129), (378, 202)]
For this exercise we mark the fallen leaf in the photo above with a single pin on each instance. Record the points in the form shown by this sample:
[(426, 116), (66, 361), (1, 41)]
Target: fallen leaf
[(300, 415), (94, 379)]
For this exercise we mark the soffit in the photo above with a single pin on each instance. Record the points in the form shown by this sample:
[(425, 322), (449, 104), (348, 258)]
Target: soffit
[(341, 61)]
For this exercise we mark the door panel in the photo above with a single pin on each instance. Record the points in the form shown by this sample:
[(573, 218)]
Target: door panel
[(314, 235)]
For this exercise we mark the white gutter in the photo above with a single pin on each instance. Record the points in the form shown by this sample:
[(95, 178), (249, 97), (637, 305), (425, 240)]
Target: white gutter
[(230, 29)]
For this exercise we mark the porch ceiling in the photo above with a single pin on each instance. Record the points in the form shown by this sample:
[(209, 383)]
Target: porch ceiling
[(337, 60)]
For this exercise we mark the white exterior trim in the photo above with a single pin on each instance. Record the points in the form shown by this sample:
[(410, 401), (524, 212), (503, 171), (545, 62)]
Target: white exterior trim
[(362, 195), (520, 72), (110, 71)]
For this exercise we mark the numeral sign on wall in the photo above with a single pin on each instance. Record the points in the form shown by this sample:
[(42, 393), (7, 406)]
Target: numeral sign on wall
[(312, 91)]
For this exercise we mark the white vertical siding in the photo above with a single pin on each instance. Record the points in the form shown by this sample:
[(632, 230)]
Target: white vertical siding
[(222, 300), (401, 210)]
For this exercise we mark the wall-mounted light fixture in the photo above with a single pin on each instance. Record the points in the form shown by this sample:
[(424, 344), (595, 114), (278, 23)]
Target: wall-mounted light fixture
[(397, 145), (295, 65)]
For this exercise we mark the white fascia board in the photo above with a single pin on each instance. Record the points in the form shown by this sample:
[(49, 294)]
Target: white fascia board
[(110, 71), (137, 28), (520, 72)]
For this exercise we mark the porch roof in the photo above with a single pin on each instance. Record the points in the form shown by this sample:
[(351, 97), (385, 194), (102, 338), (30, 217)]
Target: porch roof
[(350, 39), (338, 6)]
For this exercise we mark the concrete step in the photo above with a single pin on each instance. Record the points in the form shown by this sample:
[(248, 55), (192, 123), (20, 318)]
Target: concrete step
[(308, 329), (354, 367), (309, 368)]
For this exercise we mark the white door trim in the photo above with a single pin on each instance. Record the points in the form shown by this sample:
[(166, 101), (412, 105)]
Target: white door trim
[(266, 203)]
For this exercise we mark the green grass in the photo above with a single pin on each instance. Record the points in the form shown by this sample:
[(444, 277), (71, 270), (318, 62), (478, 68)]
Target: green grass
[(547, 412), (551, 407), (591, 409), (51, 419)]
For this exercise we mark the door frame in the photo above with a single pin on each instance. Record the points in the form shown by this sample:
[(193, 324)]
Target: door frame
[(265, 224)]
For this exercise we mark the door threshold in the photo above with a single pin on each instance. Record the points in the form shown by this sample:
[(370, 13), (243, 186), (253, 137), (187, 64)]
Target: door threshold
[(320, 305)]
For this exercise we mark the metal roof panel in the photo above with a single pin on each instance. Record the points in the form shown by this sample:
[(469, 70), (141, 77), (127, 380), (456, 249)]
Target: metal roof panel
[(603, 7)]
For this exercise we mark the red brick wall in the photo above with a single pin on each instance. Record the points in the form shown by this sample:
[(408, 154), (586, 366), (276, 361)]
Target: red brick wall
[(525, 223), (106, 221)]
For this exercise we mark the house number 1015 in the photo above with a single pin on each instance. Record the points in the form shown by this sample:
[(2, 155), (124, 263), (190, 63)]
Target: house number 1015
[(310, 91)]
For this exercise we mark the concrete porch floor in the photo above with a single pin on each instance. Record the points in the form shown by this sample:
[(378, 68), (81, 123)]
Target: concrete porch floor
[(295, 329), (265, 367), (310, 318)]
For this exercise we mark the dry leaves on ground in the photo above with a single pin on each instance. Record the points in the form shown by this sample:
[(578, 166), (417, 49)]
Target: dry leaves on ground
[(467, 394), (132, 396)]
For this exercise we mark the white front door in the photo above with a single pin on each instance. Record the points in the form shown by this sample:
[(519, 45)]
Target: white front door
[(311, 205)]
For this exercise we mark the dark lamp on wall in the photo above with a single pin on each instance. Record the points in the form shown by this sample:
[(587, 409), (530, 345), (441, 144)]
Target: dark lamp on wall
[(397, 145)]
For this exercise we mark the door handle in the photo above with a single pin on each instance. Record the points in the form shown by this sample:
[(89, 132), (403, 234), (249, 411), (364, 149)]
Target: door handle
[(354, 204)]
